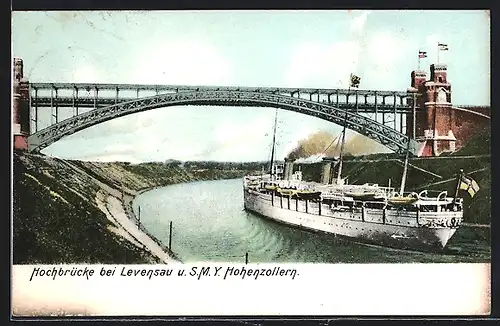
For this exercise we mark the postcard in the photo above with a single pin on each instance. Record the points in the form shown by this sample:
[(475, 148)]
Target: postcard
[(251, 163)]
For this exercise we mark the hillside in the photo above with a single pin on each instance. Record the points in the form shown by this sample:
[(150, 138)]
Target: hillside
[(57, 219)]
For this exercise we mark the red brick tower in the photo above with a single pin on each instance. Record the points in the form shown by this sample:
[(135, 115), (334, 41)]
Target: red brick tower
[(418, 78), (435, 119), (20, 107)]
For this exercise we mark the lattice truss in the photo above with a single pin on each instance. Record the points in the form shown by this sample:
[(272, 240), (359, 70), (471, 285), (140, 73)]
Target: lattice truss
[(333, 112)]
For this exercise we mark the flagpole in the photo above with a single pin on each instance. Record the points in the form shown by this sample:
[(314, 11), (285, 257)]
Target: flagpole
[(438, 53), (460, 175)]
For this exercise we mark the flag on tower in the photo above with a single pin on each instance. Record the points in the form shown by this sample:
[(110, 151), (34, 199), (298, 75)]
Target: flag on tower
[(442, 47), (469, 185), (355, 81), (422, 54)]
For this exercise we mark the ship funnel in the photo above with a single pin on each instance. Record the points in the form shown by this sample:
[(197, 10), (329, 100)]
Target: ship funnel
[(326, 173), (288, 170)]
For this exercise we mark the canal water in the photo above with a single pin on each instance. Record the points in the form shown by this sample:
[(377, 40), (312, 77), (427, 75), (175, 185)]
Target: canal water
[(210, 224)]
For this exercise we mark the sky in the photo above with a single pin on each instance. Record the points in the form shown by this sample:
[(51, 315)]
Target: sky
[(314, 48)]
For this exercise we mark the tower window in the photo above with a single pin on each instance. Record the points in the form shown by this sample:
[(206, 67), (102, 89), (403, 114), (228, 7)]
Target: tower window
[(440, 79)]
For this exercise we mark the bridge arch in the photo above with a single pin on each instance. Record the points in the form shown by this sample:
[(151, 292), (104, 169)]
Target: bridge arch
[(466, 110), (382, 134)]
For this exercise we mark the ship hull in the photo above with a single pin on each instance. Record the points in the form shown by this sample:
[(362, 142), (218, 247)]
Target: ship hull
[(389, 228)]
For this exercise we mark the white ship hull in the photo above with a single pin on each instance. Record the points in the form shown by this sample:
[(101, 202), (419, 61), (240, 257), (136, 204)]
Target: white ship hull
[(391, 227)]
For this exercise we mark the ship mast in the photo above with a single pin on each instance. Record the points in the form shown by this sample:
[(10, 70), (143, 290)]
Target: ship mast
[(342, 150), (353, 82), (274, 143), (405, 169), (341, 156)]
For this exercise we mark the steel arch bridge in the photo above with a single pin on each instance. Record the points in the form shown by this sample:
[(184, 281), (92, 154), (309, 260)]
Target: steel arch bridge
[(338, 114)]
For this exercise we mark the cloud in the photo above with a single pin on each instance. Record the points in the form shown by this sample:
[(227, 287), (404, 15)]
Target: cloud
[(185, 133), (137, 121), (84, 74), (385, 56), (318, 65), (182, 62), (237, 140), (432, 40), (384, 50), (358, 22), (376, 58)]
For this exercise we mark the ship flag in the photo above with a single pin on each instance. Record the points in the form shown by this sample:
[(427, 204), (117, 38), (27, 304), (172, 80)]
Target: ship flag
[(469, 185), (421, 55), (443, 47), (355, 80)]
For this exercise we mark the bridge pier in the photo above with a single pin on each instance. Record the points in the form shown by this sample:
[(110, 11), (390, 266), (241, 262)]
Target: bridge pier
[(56, 115), (401, 124), (35, 111), (356, 94), (96, 96), (20, 107), (395, 103), (76, 100)]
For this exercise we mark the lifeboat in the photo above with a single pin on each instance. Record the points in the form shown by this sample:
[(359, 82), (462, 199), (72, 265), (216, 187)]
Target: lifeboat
[(403, 200), (308, 194), (270, 187), (286, 192)]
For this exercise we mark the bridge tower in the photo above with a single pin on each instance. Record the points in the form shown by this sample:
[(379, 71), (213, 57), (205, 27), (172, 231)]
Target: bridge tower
[(20, 106), (433, 120)]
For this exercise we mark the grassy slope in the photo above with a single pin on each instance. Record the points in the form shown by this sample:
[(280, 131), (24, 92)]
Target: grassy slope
[(56, 219), (53, 224)]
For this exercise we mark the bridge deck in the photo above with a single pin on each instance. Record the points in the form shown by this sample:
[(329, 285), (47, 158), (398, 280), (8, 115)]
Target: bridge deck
[(175, 88), (68, 101)]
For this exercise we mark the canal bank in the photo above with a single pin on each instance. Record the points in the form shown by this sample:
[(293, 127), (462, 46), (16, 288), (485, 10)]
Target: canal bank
[(68, 211), (116, 204), (154, 245)]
